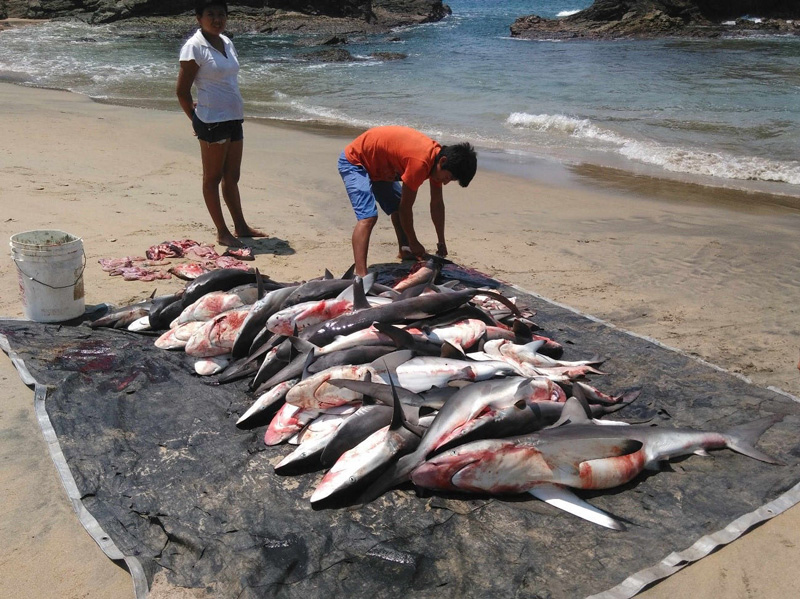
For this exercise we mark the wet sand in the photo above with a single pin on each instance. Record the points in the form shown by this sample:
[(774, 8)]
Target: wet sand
[(712, 272)]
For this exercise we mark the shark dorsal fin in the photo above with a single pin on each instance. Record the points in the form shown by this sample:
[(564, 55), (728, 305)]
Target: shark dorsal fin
[(522, 331), (398, 415), (359, 296), (259, 284), (413, 291), (309, 360), (368, 280), (451, 351), (368, 400), (397, 408), (576, 411)]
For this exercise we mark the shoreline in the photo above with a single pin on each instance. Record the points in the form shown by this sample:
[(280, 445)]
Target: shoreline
[(711, 276), (553, 170), (533, 167)]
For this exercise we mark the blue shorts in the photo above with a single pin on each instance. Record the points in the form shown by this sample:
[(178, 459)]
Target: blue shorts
[(217, 133), (365, 194)]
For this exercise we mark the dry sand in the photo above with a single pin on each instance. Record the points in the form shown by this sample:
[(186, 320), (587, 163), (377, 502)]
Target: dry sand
[(711, 272)]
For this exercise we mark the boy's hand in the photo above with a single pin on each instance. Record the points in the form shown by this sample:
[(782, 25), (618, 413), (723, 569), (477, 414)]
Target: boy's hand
[(418, 250), (441, 250)]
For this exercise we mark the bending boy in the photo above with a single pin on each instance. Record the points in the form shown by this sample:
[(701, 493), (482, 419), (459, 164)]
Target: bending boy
[(386, 166)]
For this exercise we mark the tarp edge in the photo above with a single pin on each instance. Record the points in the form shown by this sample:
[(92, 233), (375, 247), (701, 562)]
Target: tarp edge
[(701, 548), (87, 520)]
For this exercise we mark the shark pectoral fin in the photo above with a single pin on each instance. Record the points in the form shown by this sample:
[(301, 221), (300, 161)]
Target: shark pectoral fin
[(299, 346), (400, 337), (451, 351), (534, 346), (566, 500), (391, 361)]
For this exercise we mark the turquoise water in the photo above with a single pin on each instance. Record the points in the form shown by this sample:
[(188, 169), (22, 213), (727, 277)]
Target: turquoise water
[(723, 111)]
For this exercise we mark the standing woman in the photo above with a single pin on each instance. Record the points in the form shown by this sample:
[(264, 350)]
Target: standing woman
[(209, 61)]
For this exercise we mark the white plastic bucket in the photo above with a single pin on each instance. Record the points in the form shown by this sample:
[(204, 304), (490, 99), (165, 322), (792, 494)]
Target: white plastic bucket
[(50, 267)]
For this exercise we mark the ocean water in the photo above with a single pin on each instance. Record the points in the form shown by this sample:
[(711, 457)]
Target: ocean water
[(722, 112)]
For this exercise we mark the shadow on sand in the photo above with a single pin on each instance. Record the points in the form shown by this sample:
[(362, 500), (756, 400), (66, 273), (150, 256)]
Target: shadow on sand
[(269, 245)]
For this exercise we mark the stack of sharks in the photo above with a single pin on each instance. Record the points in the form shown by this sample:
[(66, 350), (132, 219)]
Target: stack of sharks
[(447, 388)]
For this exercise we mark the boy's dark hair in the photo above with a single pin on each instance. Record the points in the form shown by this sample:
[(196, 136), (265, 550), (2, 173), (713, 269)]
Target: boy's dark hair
[(462, 162), (201, 5)]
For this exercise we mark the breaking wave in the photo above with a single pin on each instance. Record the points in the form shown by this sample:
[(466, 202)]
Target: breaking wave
[(671, 158)]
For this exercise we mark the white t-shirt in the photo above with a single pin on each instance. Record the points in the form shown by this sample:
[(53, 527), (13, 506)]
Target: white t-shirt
[(218, 96)]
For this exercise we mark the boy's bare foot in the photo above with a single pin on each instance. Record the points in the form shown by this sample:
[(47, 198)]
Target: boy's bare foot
[(250, 232)]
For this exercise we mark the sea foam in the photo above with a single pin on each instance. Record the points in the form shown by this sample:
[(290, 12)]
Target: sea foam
[(671, 158)]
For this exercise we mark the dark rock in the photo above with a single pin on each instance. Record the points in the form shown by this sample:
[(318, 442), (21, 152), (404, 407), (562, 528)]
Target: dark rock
[(329, 55), (389, 55), (333, 41), (321, 40), (660, 18), (409, 12), (326, 16)]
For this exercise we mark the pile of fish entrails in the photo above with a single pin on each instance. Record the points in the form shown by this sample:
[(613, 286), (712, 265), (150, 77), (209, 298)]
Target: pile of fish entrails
[(448, 388)]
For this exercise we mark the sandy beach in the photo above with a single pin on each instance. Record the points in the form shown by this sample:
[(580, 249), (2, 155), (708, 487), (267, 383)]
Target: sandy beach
[(711, 272)]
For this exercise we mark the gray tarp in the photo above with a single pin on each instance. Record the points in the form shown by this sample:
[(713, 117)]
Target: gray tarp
[(158, 461)]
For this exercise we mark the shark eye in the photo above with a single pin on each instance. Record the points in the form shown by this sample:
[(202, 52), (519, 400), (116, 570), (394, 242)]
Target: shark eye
[(352, 479)]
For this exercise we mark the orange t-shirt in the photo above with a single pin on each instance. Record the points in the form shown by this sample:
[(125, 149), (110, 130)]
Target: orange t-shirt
[(392, 153)]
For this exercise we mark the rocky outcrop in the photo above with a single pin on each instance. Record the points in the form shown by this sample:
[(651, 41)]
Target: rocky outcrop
[(327, 16), (372, 17), (342, 55), (660, 18)]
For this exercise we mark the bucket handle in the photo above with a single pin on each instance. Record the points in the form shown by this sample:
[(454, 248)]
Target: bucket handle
[(78, 278)]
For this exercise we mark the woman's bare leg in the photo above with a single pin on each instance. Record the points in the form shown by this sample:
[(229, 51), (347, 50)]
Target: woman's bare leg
[(213, 156), (230, 190)]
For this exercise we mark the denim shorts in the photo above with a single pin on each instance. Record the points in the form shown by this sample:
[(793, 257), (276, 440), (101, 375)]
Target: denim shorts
[(216, 133), (365, 194)]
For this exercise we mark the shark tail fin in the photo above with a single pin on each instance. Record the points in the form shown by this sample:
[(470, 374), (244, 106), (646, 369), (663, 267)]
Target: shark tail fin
[(742, 438)]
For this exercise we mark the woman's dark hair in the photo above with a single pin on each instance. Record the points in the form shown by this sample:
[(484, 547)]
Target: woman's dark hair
[(201, 5), (462, 162)]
